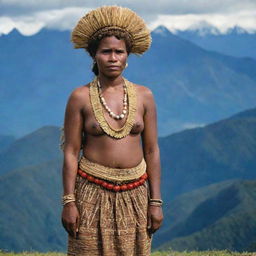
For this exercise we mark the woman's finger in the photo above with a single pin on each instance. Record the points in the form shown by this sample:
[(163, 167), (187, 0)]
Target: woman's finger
[(64, 224), (71, 229), (155, 226), (149, 221), (77, 223)]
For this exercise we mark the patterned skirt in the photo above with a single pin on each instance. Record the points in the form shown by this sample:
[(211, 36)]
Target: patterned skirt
[(112, 223)]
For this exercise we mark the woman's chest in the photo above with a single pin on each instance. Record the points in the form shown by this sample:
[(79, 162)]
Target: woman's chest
[(92, 126)]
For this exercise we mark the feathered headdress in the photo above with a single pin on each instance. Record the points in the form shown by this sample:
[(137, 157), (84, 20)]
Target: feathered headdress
[(108, 18)]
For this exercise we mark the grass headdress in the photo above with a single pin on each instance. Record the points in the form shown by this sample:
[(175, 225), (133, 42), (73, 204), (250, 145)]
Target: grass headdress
[(100, 21)]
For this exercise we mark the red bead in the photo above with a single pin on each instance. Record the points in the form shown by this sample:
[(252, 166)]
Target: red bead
[(141, 181), (90, 178), (144, 176), (104, 184), (97, 181), (136, 184), (110, 186), (124, 187), (130, 186), (100, 182), (116, 188), (83, 174)]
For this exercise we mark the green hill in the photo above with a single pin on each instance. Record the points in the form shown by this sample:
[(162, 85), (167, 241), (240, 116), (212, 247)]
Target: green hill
[(198, 157), (30, 208), (5, 141), (35, 148), (216, 217)]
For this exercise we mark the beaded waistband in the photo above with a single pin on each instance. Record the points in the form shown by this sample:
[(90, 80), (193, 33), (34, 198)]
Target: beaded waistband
[(112, 174), (114, 186)]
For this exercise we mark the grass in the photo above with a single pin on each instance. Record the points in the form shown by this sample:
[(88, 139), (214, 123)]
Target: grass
[(203, 253), (167, 253)]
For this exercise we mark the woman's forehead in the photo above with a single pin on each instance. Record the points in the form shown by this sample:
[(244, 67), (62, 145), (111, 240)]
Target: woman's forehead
[(112, 42)]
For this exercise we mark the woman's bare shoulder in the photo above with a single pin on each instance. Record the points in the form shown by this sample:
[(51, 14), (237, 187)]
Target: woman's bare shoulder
[(144, 91), (80, 93)]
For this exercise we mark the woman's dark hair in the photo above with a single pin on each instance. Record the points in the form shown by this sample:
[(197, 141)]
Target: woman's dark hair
[(95, 42)]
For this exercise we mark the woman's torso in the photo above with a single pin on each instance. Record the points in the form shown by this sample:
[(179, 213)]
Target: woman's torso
[(103, 149)]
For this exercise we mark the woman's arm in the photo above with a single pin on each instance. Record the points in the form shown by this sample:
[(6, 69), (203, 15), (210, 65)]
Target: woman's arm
[(73, 135), (152, 157)]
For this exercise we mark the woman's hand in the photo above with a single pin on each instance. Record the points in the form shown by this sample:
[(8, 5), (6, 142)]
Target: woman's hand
[(70, 219), (155, 218)]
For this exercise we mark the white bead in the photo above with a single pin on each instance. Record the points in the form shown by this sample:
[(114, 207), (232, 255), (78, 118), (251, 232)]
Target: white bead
[(111, 113)]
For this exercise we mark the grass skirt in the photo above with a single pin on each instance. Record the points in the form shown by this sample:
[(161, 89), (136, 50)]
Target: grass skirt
[(111, 223)]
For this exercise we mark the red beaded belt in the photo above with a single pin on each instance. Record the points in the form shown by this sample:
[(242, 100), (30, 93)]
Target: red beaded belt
[(112, 186)]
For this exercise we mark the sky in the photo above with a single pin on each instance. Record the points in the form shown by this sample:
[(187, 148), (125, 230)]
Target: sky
[(29, 16)]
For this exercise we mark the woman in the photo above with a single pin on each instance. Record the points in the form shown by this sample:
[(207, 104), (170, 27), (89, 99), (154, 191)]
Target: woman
[(112, 201)]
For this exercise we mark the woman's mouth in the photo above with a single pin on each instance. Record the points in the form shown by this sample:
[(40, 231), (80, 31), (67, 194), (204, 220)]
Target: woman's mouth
[(113, 67)]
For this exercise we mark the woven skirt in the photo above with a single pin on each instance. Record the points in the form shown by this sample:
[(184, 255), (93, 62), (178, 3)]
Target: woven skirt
[(112, 223)]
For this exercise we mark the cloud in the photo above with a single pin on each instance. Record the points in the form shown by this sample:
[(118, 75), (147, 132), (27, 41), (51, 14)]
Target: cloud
[(31, 15), (162, 6), (186, 126), (61, 19), (244, 19)]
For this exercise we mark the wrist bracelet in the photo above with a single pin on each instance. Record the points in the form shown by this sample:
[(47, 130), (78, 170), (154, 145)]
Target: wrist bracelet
[(68, 198), (157, 205), (155, 202)]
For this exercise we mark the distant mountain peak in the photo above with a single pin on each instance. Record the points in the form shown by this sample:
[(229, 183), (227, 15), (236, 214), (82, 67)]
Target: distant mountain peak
[(204, 28), (162, 30), (236, 30), (14, 32)]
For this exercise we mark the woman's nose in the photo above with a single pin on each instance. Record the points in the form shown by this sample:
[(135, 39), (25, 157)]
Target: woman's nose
[(113, 56)]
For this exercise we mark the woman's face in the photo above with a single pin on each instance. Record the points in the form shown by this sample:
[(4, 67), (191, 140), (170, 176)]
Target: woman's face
[(111, 56)]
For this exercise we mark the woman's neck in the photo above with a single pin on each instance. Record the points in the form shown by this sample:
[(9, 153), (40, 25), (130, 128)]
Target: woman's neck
[(111, 82)]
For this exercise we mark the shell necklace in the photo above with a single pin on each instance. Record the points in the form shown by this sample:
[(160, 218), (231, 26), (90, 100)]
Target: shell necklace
[(111, 113), (98, 109)]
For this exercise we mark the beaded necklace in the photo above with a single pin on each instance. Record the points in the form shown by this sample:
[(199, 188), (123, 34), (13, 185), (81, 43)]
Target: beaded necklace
[(111, 113), (98, 110)]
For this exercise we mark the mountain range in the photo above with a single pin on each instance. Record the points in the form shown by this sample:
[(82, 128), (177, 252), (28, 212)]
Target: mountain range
[(21, 153), (201, 156), (235, 42), (219, 216), (208, 186), (192, 86), (31, 209)]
